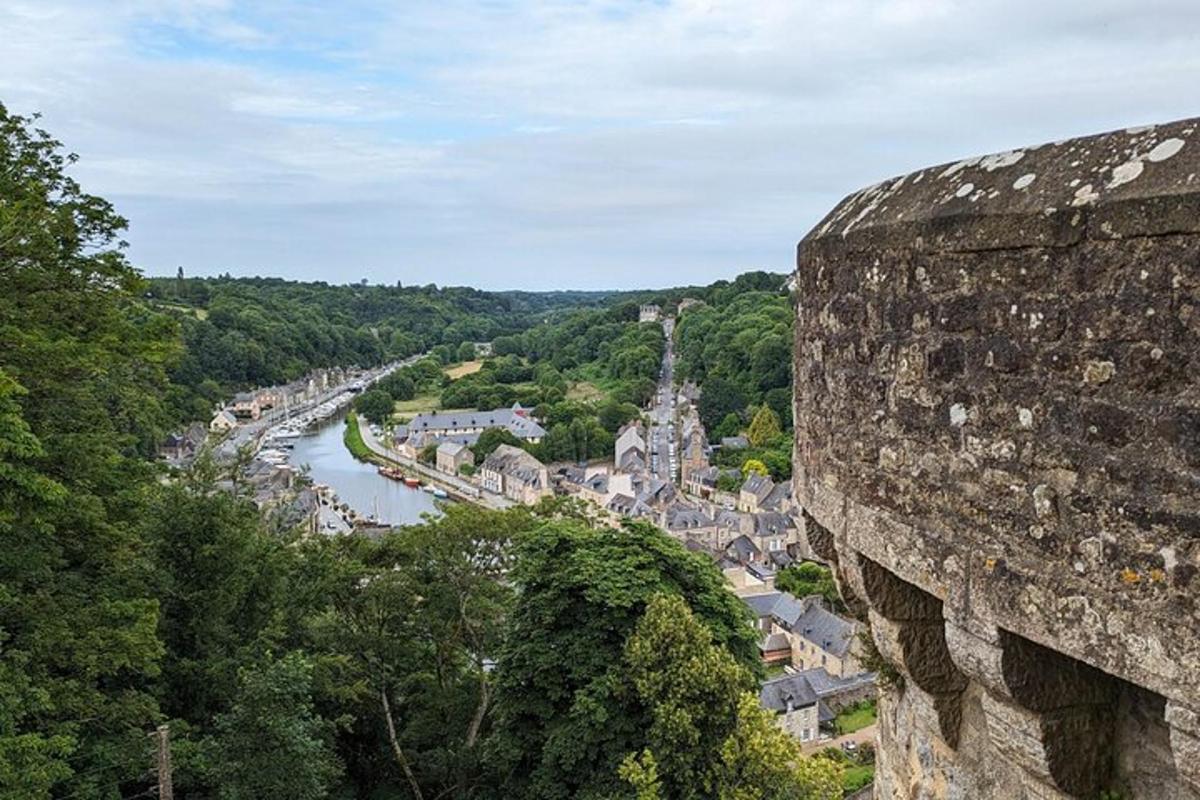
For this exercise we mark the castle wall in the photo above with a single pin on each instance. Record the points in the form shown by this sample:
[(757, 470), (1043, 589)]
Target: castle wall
[(998, 442)]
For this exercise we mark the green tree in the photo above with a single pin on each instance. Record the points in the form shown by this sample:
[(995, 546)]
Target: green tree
[(466, 351), (765, 427), (271, 743), (731, 425), (567, 714), (707, 736), (491, 438), (82, 377), (717, 399), (755, 467), (808, 578), (376, 405)]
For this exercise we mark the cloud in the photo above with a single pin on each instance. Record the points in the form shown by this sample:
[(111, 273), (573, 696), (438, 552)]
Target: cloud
[(554, 142)]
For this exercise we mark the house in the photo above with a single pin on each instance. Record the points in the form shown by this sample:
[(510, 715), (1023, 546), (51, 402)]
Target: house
[(779, 499), (774, 532), (629, 452), (516, 474), (734, 443), (743, 550), (182, 447), (702, 482), (413, 444), (796, 706), (689, 523), (451, 456), (515, 420), (245, 406), (222, 421), (819, 637), (600, 487), (649, 313), (755, 489)]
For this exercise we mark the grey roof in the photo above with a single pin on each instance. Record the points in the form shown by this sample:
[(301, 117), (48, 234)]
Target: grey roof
[(780, 558), (793, 690), (758, 485), (516, 420), (680, 517), (743, 548), (826, 685), (706, 476), (775, 641), (779, 497), (761, 604), (825, 629), (787, 610), (598, 483), (621, 504), (514, 462), (451, 448), (734, 443), (632, 461), (760, 571), (772, 523)]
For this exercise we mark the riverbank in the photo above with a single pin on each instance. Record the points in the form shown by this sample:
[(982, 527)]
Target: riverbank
[(352, 437)]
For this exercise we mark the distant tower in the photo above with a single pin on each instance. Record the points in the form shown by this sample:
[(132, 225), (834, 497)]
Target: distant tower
[(179, 282)]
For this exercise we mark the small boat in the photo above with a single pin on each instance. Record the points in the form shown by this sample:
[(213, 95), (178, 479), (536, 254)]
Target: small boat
[(440, 494), (413, 482), (428, 488)]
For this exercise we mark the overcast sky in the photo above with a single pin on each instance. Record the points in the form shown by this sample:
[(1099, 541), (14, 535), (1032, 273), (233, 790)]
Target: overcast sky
[(541, 144)]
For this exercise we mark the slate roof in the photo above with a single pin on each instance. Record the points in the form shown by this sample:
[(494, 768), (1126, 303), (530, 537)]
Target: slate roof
[(734, 443), (451, 448), (758, 485), (761, 604), (621, 504), (516, 420), (772, 523), (778, 693), (743, 548), (779, 497), (681, 517), (825, 629)]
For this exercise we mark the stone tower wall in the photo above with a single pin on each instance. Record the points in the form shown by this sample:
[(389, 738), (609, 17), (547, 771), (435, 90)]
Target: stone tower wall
[(998, 443)]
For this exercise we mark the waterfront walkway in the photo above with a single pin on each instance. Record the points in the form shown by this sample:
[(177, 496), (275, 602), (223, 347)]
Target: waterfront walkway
[(455, 486)]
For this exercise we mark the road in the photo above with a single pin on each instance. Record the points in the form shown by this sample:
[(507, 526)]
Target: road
[(662, 414)]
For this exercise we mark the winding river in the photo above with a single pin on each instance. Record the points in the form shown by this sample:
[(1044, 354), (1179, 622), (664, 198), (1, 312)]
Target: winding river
[(356, 483)]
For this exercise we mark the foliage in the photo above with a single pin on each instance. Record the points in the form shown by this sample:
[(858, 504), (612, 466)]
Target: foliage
[(887, 676), (855, 717), (82, 381), (352, 437), (490, 439), (718, 399), (765, 428), (808, 578), (271, 743), (428, 454), (375, 405), (753, 466), (567, 713)]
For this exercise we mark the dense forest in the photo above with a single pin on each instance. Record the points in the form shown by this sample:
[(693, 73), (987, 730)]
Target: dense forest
[(244, 332), (519, 654)]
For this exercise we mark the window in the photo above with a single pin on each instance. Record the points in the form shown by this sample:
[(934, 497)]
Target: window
[(805, 734)]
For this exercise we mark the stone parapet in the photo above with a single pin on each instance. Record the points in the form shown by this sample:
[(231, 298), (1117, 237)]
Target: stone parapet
[(998, 442)]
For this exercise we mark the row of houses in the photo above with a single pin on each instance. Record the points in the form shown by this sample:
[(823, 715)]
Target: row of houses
[(249, 406)]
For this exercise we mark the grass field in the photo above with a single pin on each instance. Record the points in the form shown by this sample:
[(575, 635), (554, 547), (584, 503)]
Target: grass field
[(856, 777), (354, 441), (855, 718), (585, 392), (465, 368), (421, 404)]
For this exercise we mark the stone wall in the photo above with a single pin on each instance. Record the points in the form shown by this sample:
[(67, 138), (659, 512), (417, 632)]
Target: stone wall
[(998, 443)]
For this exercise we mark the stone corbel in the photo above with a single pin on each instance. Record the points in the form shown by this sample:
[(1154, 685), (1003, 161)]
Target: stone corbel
[(1185, 741)]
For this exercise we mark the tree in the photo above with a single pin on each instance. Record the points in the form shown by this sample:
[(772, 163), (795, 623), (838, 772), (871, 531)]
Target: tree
[(490, 439), (613, 415), (754, 467), (567, 714), (808, 578), (376, 405), (271, 743), (707, 735), (765, 427), (731, 425), (83, 374), (466, 351), (718, 398)]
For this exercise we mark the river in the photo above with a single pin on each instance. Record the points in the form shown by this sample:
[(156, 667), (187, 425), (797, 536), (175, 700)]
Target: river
[(356, 483)]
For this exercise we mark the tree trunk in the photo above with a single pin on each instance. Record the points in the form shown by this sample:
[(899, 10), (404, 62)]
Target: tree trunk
[(400, 759), (485, 695)]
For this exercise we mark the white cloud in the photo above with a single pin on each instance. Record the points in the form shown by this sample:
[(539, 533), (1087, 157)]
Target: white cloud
[(555, 142)]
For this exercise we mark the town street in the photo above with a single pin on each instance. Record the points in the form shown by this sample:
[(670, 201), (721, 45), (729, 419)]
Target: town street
[(661, 413)]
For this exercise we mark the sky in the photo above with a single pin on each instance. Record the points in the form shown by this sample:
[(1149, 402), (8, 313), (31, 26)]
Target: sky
[(551, 144)]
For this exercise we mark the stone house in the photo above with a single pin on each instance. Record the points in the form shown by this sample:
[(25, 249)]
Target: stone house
[(819, 637), (453, 455), (796, 706), (516, 474), (631, 442), (222, 421), (245, 405), (754, 491), (649, 312), (689, 523), (702, 482)]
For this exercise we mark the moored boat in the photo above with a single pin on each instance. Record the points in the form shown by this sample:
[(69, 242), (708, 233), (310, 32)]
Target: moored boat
[(413, 482), (440, 494)]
